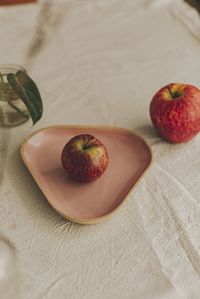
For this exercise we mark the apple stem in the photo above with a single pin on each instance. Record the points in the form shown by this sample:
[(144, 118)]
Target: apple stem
[(170, 92), (86, 145)]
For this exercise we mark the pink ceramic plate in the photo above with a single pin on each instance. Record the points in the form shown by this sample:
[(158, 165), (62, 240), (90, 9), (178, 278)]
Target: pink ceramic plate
[(92, 202)]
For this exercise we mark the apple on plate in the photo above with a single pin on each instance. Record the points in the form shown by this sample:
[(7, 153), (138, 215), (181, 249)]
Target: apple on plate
[(175, 112), (84, 158)]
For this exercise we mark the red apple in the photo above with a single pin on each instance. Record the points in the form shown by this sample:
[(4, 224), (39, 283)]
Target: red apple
[(84, 158), (175, 112)]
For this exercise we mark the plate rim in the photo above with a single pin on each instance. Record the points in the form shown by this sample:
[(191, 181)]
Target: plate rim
[(37, 181)]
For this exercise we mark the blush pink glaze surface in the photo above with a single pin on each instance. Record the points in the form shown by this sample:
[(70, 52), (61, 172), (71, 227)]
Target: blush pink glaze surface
[(129, 157)]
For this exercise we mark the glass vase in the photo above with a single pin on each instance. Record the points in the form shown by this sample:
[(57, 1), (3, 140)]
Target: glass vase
[(13, 112)]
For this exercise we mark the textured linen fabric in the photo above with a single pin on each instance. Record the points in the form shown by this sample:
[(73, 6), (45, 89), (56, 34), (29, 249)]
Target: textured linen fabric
[(100, 62)]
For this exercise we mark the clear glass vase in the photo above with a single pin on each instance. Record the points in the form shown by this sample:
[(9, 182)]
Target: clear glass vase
[(13, 112)]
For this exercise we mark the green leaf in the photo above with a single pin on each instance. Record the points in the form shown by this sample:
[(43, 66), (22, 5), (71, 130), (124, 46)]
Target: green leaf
[(28, 92)]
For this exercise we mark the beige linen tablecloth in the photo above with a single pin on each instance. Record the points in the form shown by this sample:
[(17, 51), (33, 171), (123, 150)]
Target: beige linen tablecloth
[(100, 62)]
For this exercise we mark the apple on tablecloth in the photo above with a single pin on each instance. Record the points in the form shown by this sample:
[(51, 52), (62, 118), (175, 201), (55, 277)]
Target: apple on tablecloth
[(175, 112), (84, 158)]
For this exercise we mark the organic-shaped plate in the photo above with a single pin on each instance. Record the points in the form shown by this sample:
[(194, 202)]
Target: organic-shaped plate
[(129, 157)]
